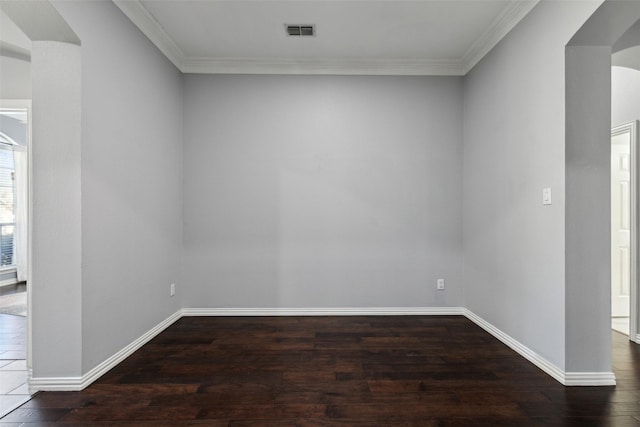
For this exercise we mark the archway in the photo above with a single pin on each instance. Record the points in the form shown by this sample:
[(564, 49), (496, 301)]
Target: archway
[(587, 179), (55, 226)]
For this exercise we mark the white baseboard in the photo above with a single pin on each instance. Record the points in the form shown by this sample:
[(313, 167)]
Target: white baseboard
[(328, 311), (80, 383), (524, 351), (37, 384), (565, 378), (589, 379)]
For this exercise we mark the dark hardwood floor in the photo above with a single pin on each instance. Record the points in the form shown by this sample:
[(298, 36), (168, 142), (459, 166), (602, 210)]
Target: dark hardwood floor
[(345, 371)]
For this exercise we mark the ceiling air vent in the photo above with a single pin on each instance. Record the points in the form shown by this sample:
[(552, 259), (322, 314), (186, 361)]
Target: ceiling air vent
[(300, 30)]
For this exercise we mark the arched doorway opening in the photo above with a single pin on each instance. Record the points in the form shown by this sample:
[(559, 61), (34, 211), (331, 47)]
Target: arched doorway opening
[(54, 295), (588, 188)]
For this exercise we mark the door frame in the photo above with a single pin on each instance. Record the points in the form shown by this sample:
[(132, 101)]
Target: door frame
[(26, 104), (632, 129)]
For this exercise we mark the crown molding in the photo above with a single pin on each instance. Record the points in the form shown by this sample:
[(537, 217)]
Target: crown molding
[(499, 28), (144, 20), (508, 18)]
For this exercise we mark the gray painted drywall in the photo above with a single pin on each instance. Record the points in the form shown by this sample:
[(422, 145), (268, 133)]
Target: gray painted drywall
[(15, 63), (587, 177), (629, 38), (315, 191), (322, 191), (513, 148), (587, 227), (629, 58), (12, 38), (131, 180), (15, 78), (56, 281), (625, 95), (43, 25)]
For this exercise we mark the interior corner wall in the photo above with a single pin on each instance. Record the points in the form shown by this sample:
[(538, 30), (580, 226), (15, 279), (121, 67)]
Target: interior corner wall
[(322, 191), (131, 180), (514, 146)]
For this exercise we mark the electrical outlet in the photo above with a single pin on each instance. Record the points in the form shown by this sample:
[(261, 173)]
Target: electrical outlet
[(172, 289), (440, 284)]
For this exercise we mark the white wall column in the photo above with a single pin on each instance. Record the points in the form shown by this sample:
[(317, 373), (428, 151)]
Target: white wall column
[(587, 224), (588, 188), (56, 222)]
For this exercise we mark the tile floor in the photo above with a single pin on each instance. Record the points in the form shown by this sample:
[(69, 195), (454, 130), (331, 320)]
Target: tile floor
[(13, 366), (13, 385)]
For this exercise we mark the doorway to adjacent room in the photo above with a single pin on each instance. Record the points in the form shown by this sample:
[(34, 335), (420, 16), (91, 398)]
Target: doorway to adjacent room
[(623, 224), (14, 182)]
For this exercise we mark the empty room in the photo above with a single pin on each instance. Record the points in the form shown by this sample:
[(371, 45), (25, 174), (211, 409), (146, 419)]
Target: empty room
[(324, 212)]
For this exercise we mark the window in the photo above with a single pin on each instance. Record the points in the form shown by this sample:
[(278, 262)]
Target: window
[(7, 205), (14, 186)]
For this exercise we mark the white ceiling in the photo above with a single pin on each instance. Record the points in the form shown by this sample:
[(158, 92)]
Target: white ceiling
[(406, 37)]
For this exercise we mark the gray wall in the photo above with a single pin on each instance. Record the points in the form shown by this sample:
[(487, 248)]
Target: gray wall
[(588, 230), (319, 191), (310, 191), (15, 73), (56, 278), (131, 179), (588, 185), (15, 78), (513, 148), (625, 95)]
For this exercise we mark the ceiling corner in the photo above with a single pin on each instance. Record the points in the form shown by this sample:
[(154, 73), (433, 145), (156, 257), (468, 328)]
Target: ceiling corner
[(140, 16), (505, 22)]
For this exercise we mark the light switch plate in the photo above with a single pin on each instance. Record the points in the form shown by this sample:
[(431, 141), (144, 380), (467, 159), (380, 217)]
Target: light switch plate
[(546, 196)]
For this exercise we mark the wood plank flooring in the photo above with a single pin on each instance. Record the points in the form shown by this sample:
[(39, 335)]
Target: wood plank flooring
[(335, 371)]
